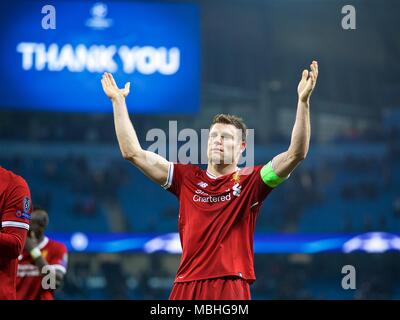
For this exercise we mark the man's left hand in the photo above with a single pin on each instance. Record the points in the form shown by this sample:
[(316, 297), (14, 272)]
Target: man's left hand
[(308, 82)]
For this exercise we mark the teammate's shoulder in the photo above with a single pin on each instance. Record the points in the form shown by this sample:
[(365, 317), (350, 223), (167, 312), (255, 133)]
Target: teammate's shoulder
[(9, 180), (20, 181), (5, 177), (12, 177), (57, 245)]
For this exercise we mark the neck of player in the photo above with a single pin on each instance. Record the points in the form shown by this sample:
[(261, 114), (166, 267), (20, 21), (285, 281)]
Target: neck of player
[(40, 237), (219, 170)]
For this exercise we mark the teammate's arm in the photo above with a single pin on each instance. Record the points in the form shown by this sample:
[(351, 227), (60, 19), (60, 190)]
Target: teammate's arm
[(151, 164), (14, 229), (284, 163), (12, 241)]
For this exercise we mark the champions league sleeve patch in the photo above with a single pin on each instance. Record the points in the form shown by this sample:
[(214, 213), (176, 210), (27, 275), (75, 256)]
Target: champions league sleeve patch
[(26, 206)]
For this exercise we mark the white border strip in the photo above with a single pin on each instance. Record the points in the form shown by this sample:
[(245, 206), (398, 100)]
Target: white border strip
[(15, 224), (170, 176), (44, 242)]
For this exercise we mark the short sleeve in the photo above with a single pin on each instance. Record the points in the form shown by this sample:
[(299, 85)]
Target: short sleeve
[(176, 174), (18, 205)]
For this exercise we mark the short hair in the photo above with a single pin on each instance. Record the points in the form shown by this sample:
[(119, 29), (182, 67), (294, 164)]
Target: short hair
[(236, 121), (45, 221), (37, 207)]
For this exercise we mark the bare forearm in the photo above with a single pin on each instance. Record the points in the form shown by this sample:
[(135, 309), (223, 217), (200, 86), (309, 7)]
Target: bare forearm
[(301, 133), (126, 135), (285, 162)]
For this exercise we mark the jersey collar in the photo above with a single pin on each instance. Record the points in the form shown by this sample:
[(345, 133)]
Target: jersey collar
[(213, 176), (43, 243)]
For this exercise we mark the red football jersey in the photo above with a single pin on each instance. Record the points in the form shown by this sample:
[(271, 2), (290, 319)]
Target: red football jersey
[(15, 209), (29, 279), (217, 218)]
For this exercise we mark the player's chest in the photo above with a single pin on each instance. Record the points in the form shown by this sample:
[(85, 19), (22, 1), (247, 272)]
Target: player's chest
[(221, 192)]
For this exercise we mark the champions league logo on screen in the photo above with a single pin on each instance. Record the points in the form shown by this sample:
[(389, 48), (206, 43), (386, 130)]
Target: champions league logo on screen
[(169, 243), (373, 242), (98, 20)]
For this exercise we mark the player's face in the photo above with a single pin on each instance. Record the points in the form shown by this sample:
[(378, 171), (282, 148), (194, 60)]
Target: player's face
[(36, 227), (38, 223), (224, 144)]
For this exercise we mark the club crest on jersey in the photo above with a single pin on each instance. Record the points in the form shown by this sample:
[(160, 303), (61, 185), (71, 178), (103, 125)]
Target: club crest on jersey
[(236, 177), (202, 184), (236, 189)]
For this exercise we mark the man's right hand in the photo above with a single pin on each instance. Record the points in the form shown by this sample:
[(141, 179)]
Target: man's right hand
[(111, 89), (31, 241)]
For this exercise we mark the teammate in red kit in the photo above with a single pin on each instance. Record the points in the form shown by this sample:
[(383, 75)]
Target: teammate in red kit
[(40, 251), (15, 214), (218, 206)]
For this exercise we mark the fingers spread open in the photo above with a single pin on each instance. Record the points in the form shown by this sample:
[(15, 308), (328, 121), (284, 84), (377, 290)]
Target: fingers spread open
[(104, 82), (112, 80), (315, 68), (311, 75), (108, 80), (107, 77), (310, 81)]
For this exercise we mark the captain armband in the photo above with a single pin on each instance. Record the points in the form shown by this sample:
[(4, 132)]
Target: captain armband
[(269, 177)]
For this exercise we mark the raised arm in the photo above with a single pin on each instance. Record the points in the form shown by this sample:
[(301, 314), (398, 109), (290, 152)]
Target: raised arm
[(151, 164), (284, 163)]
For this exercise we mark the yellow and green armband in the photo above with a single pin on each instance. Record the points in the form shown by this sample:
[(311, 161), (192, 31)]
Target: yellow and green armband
[(269, 177)]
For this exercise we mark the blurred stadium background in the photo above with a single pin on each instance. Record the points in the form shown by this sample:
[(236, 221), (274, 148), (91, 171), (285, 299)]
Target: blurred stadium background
[(251, 54)]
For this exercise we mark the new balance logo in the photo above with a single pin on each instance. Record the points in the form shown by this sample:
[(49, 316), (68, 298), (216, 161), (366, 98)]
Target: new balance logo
[(202, 184)]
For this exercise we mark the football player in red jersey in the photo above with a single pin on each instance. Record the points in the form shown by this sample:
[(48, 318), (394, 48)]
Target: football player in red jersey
[(15, 209), (218, 206), (40, 252)]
